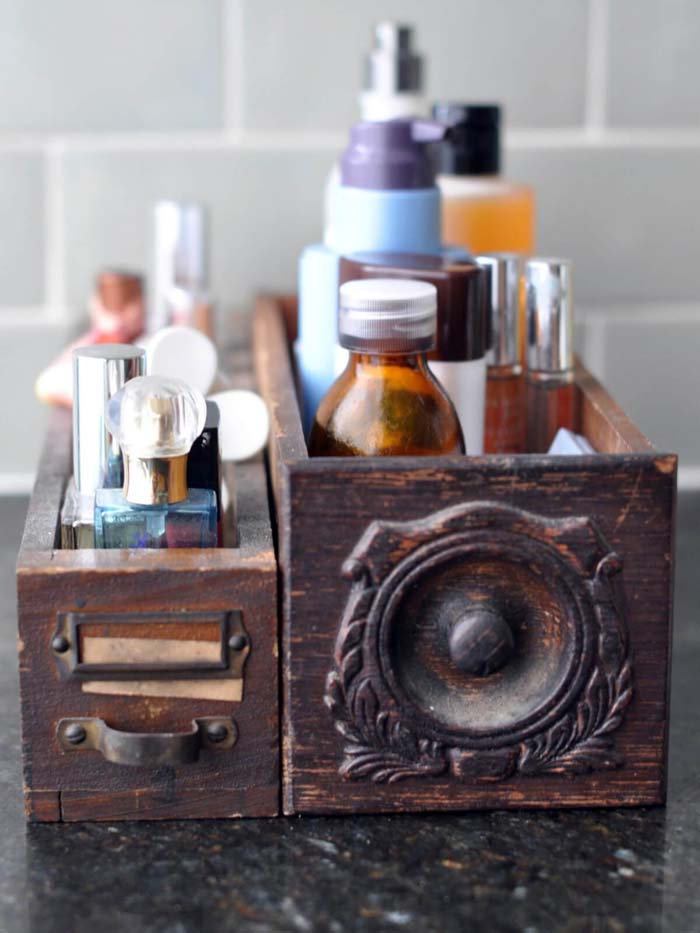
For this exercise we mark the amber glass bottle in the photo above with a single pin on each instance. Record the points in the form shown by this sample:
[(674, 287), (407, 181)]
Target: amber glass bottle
[(552, 397), (505, 420), (386, 402)]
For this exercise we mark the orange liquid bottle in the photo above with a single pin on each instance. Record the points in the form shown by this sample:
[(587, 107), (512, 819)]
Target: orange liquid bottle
[(481, 210), (386, 402)]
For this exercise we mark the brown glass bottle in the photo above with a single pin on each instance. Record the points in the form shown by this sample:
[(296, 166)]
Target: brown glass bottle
[(386, 402)]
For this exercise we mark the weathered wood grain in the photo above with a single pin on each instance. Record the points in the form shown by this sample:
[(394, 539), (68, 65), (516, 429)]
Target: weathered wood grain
[(325, 507), (242, 780)]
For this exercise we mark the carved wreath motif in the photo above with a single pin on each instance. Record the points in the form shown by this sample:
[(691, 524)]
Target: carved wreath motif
[(381, 746)]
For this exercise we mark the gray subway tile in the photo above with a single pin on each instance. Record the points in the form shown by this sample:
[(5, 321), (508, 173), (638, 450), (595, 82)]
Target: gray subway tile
[(21, 229), (135, 64), (628, 217), (303, 60), (650, 366), (654, 66), (264, 206), (25, 351)]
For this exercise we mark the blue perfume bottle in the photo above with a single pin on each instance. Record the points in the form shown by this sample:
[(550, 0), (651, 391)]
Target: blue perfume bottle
[(156, 420)]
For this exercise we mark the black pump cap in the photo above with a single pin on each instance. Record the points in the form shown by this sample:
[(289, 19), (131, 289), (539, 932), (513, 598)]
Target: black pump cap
[(473, 145)]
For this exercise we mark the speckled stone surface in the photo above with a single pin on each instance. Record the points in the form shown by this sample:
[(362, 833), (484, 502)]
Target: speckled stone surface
[(571, 870)]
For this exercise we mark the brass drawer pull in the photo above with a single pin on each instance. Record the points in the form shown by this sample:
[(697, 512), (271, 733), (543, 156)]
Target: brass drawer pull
[(481, 641), (144, 748)]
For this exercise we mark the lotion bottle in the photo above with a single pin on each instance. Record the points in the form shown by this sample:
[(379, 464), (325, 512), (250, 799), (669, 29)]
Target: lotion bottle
[(387, 200), (482, 211)]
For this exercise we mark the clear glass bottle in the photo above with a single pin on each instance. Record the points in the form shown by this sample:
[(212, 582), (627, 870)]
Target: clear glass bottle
[(386, 402), (156, 420), (552, 396)]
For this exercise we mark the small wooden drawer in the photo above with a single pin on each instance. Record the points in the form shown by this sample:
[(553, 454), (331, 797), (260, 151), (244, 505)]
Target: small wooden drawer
[(397, 571), (148, 678)]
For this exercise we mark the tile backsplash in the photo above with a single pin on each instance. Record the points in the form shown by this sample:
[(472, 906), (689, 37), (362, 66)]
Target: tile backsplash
[(243, 104)]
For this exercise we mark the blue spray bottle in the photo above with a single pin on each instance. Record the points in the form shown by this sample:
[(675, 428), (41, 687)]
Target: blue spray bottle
[(386, 201)]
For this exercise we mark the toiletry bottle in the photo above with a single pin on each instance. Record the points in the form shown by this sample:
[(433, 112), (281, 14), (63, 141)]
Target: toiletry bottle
[(552, 398), (458, 360), (204, 460), (481, 211), (116, 316), (387, 200), (181, 279), (99, 372), (506, 425), (386, 402), (156, 421), (393, 86)]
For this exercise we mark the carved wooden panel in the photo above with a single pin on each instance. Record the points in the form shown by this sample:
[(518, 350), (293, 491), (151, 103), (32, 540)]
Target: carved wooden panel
[(481, 641)]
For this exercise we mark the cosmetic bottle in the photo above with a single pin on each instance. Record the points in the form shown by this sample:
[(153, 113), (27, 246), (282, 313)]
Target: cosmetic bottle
[(156, 421), (482, 211), (393, 85), (458, 359), (386, 402), (392, 89), (552, 400), (181, 293), (204, 460), (99, 372), (116, 316), (387, 200), (506, 425)]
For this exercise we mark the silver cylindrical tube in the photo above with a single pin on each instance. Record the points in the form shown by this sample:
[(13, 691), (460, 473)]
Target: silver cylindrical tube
[(98, 372), (550, 315), (506, 271), (393, 67)]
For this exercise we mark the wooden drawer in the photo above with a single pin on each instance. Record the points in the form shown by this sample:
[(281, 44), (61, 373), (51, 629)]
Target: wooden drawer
[(395, 573), (148, 678)]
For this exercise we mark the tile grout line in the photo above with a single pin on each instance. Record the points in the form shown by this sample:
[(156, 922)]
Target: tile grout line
[(233, 138), (232, 63), (597, 65)]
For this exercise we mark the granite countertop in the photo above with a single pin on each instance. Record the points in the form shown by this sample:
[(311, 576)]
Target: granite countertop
[(536, 871)]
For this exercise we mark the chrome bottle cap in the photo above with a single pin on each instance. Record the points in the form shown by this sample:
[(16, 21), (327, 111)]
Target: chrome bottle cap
[(505, 273), (98, 373), (393, 66), (550, 311)]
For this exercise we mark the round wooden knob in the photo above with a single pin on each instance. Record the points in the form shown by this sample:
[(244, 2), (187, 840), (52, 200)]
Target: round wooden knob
[(481, 641)]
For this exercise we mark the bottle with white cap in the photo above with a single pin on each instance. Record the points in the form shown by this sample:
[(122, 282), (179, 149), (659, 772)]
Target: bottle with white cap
[(386, 402), (552, 399), (156, 420)]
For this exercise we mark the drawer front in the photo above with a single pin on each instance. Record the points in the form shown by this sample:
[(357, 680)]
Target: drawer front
[(468, 640), (141, 701)]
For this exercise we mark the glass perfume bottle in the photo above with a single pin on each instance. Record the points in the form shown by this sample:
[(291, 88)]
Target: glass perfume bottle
[(156, 420), (552, 397), (506, 424), (386, 402)]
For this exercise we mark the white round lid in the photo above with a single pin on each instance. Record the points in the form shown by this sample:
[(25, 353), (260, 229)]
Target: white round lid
[(184, 353)]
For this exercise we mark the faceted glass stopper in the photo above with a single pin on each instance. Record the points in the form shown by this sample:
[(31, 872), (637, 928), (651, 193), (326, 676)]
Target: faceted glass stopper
[(154, 417)]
